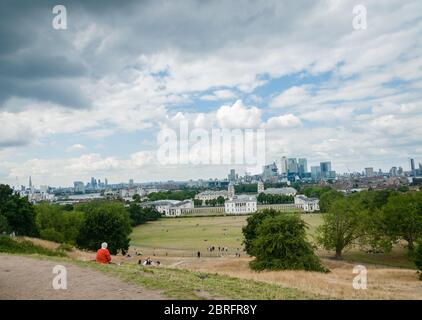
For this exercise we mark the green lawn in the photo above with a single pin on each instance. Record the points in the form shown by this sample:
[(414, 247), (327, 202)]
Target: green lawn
[(198, 233)]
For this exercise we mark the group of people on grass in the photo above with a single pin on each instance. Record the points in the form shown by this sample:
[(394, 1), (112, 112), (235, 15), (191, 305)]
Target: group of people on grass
[(103, 256)]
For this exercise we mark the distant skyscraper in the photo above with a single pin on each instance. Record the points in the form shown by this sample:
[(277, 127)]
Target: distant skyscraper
[(106, 182), (302, 166), (369, 172), (130, 183), (315, 172), (79, 187), (30, 183), (412, 168), (393, 172), (292, 165), (232, 175), (325, 169), (282, 165)]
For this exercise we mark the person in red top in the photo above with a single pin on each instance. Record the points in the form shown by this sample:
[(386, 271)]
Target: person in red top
[(103, 255)]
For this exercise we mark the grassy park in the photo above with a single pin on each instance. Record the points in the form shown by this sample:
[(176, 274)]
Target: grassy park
[(199, 233)]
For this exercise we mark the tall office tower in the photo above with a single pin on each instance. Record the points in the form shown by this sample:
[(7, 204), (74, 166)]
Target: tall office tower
[(106, 182), (282, 165), (369, 172), (30, 183), (316, 173), (130, 183), (232, 175), (393, 171), (269, 172), (412, 168), (325, 169), (292, 165), (302, 166)]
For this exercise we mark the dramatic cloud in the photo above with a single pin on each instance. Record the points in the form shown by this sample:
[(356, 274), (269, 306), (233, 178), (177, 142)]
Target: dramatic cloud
[(122, 71)]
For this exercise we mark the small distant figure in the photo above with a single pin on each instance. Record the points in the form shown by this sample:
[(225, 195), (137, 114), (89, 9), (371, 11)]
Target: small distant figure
[(147, 262), (103, 255), (158, 263), (140, 261), (198, 254)]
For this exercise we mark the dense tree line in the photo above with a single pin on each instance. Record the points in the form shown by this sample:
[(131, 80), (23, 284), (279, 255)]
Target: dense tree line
[(85, 225), (172, 195), (274, 198), (375, 219)]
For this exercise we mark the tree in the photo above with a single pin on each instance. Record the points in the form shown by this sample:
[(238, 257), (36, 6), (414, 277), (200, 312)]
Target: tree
[(327, 198), (56, 223), (342, 226), (250, 230), (281, 244), (136, 198), (140, 215), (17, 212), (105, 222), (402, 217)]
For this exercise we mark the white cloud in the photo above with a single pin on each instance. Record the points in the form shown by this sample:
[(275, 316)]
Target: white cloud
[(283, 122), (238, 116), (290, 97), (75, 147)]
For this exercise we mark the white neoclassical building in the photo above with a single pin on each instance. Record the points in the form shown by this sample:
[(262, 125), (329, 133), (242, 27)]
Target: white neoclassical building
[(307, 204), (171, 208), (211, 194), (241, 204)]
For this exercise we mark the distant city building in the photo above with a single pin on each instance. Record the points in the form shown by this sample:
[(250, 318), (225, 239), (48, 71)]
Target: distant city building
[(369, 172), (325, 168), (412, 168), (79, 187), (393, 172), (302, 167), (232, 175), (269, 172), (282, 165), (316, 172), (292, 166)]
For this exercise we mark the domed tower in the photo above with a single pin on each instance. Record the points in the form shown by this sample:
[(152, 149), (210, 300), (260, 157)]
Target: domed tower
[(260, 187), (231, 191)]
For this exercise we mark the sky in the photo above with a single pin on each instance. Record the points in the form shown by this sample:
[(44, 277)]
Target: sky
[(92, 99)]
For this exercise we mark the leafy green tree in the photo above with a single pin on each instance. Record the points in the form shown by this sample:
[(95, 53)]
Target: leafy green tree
[(140, 215), (197, 202), (17, 212), (327, 198), (57, 224), (105, 222), (281, 244), (402, 217), (250, 229), (342, 226)]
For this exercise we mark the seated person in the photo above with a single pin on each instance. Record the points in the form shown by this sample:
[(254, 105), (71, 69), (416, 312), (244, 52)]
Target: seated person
[(103, 255)]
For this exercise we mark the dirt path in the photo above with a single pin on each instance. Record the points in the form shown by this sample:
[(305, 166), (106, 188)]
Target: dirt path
[(26, 278)]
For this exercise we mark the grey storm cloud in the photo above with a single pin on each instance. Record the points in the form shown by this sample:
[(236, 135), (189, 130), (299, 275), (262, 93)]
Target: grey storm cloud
[(41, 63)]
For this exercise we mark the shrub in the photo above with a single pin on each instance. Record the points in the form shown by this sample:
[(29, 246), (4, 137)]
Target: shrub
[(10, 245)]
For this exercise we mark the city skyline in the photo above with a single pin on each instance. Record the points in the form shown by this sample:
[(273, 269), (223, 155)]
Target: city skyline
[(91, 99)]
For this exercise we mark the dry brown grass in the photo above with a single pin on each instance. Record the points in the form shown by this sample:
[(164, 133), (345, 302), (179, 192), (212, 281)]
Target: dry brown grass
[(383, 282)]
